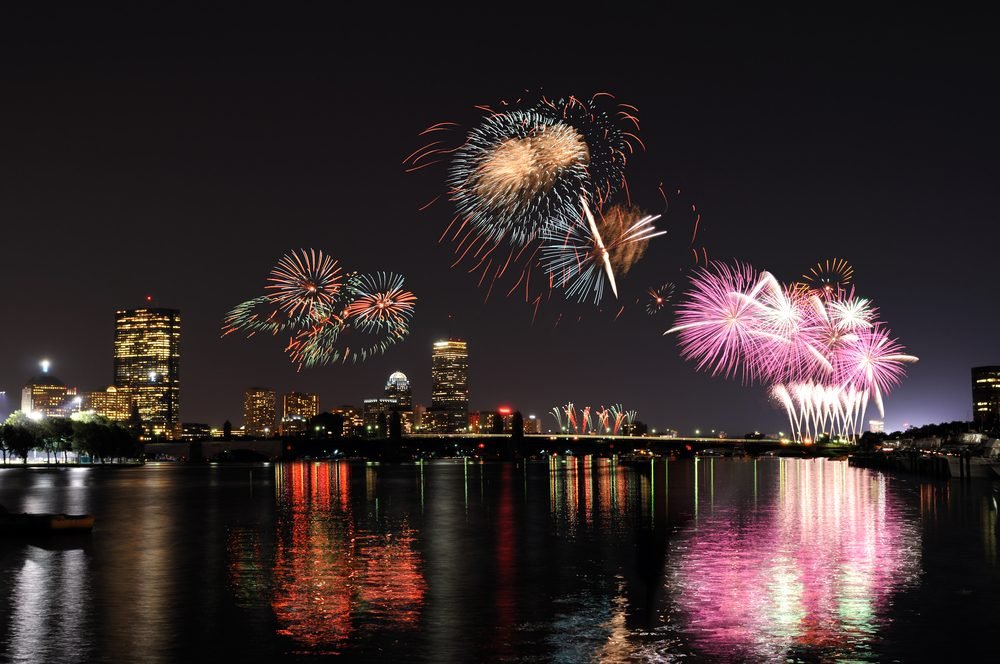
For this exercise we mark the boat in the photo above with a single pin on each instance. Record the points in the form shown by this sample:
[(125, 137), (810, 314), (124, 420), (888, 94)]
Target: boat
[(69, 523)]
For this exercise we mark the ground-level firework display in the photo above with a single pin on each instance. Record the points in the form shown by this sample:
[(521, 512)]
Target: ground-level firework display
[(328, 317), (540, 195), (822, 351), (614, 421)]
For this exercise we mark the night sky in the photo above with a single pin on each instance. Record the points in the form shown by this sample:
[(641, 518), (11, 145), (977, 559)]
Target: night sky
[(146, 152)]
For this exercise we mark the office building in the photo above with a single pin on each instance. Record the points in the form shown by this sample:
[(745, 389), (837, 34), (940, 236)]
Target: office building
[(112, 403), (147, 366), (986, 397), (449, 411), (260, 412), (532, 424), (876, 426)]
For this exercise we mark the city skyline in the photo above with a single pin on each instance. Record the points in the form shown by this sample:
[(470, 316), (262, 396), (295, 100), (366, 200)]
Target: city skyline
[(196, 212)]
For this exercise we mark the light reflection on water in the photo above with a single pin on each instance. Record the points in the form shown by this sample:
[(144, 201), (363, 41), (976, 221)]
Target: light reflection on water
[(576, 559)]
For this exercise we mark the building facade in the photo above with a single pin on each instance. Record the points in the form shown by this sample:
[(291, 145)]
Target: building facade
[(260, 412), (449, 411), (147, 366), (986, 396)]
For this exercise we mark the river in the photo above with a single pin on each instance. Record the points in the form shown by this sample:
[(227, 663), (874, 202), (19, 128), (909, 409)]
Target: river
[(571, 560)]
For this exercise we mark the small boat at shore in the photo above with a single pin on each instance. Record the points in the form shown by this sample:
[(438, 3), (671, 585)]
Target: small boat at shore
[(36, 523)]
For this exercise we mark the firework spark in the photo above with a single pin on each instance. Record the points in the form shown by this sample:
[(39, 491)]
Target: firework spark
[(658, 297)]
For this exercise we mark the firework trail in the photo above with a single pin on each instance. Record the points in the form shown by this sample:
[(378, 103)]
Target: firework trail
[(822, 350), (578, 258)]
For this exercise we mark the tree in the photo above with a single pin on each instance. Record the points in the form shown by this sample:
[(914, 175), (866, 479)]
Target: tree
[(380, 426), (20, 434), (57, 436)]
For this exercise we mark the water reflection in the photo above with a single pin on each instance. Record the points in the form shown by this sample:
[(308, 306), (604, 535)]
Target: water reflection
[(814, 571), (331, 574)]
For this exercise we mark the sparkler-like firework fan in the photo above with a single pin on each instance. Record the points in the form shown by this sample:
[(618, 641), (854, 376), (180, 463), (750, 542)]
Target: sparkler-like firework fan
[(827, 278), (328, 318), (822, 352)]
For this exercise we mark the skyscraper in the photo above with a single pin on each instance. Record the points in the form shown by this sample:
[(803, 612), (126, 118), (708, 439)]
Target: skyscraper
[(260, 412), (986, 396), (398, 388), (449, 411), (147, 365)]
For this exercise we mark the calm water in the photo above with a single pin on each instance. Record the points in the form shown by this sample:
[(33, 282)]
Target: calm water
[(450, 561)]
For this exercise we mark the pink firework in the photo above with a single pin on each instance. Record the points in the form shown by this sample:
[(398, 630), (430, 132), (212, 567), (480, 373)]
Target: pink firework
[(874, 362), (718, 321), (824, 356)]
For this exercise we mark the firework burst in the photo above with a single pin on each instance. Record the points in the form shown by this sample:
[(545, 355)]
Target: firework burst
[(378, 301), (302, 281), (517, 173)]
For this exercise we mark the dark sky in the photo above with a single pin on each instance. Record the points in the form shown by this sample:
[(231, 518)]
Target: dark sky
[(144, 151)]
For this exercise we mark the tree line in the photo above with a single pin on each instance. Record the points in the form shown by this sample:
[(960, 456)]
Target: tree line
[(84, 434)]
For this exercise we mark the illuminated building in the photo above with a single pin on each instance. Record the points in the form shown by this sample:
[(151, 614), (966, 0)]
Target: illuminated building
[(876, 426), (147, 365), (375, 407), (449, 411), (500, 420), (195, 431), (47, 395), (297, 409), (260, 412), (354, 421), (419, 416), (986, 396), (398, 388), (112, 403), (532, 425)]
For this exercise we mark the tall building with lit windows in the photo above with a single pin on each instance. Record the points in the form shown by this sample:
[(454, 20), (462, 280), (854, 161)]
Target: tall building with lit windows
[(986, 397), (147, 365), (260, 412), (297, 408), (449, 411)]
